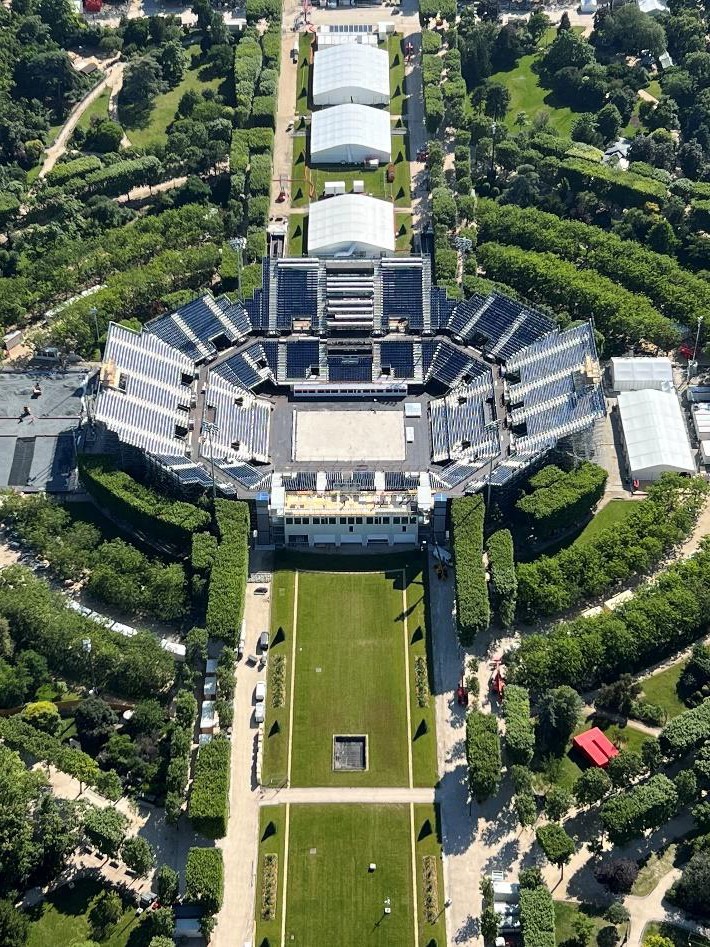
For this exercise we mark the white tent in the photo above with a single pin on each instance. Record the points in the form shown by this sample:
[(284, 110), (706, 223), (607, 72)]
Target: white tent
[(351, 73), (655, 435), (350, 134), (632, 374), (349, 225)]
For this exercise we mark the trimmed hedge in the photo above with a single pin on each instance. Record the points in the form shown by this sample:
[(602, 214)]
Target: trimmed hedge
[(263, 111), (688, 731), (472, 608), (519, 728), (119, 178), (225, 603), (431, 42), (145, 509), (204, 878), (260, 174), (504, 580), (483, 755), (204, 552), (209, 800), (623, 188), (559, 499), (537, 917), (61, 173)]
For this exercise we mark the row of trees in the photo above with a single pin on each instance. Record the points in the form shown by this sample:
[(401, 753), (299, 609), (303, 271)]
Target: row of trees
[(504, 580), (483, 755), (586, 570), (555, 499), (472, 608), (225, 605)]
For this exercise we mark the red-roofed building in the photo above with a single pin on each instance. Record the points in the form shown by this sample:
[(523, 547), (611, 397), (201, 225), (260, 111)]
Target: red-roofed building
[(596, 747)]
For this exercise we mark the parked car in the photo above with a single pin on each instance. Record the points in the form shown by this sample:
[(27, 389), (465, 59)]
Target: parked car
[(259, 713), (264, 641), (260, 692), (261, 590)]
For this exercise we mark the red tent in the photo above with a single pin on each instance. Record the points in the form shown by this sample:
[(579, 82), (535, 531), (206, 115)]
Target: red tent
[(597, 748), (92, 6)]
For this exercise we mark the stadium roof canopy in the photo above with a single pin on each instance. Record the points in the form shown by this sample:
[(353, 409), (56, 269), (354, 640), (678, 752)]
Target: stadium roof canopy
[(596, 746), (351, 73), (351, 134), (350, 224), (632, 374), (655, 434)]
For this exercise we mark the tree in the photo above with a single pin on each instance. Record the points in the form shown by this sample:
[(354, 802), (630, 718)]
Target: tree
[(104, 136), (557, 845), (43, 715), (557, 803), (489, 925), (701, 814), (138, 855), (522, 779), (105, 913), (558, 714), (148, 717), (483, 755), (161, 941), (591, 786), (617, 875), (142, 81), (692, 890), (568, 49), (629, 30), (652, 755), (173, 61), (530, 878), (625, 767), (657, 940), (162, 922), (686, 785), (14, 926), (106, 829), (167, 884), (616, 913), (94, 721), (526, 809), (564, 26), (497, 100), (583, 927)]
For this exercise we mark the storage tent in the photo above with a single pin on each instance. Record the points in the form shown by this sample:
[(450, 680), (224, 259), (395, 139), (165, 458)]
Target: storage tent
[(350, 225), (351, 73), (633, 374), (350, 134), (654, 433), (596, 746)]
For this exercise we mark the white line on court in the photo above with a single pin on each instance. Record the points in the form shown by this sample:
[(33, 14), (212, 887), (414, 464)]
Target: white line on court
[(414, 875), (293, 678), (406, 672), (285, 871)]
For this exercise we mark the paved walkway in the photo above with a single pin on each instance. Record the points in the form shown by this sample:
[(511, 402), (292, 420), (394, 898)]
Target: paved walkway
[(113, 79), (325, 795), (235, 922)]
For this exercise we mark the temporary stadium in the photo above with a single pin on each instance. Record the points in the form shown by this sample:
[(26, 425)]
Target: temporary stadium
[(347, 400)]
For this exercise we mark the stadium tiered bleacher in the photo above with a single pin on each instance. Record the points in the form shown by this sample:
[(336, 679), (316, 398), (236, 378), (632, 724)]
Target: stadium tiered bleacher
[(216, 381)]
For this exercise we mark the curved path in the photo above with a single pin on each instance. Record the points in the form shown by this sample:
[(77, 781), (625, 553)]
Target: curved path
[(112, 80)]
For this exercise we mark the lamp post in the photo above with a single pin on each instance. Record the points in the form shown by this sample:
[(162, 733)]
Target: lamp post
[(695, 348), (209, 428), (93, 312), (86, 648)]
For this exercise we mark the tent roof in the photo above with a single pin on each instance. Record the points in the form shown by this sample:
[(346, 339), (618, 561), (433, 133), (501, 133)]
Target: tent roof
[(351, 219), (654, 431), (351, 65), (342, 125), (640, 370), (597, 747)]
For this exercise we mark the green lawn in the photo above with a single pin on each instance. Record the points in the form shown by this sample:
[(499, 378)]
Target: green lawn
[(97, 109), (62, 920), (154, 131), (350, 677), (307, 183), (297, 234), (396, 53), (332, 897), (527, 95), (403, 229), (565, 913), (616, 511), (660, 689), (658, 865), (565, 770), (303, 88), (350, 671), (680, 937), (272, 828)]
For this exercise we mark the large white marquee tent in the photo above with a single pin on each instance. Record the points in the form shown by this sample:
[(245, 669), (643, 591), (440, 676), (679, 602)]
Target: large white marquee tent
[(349, 225), (350, 134), (351, 73), (633, 374), (655, 435)]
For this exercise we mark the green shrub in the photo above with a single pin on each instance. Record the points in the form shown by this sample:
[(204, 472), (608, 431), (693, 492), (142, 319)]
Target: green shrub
[(269, 886), (209, 798), (225, 603), (260, 174), (537, 917), (278, 680), (620, 187), (258, 211), (519, 728), (504, 580), (483, 755), (263, 110), (204, 878), (263, 10), (431, 42), (688, 731), (472, 608), (645, 806), (261, 140), (421, 680), (204, 551), (119, 178), (430, 873), (271, 47), (169, 520)]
